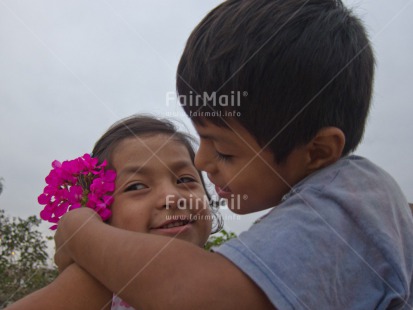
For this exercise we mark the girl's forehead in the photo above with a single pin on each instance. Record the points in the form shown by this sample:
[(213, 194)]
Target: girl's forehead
[(162, 149), (153, 144)]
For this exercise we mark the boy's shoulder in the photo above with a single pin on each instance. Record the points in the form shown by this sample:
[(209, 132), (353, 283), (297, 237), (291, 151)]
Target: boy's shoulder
[(353, 186), (354, 194), (351, 172), (347, 221)]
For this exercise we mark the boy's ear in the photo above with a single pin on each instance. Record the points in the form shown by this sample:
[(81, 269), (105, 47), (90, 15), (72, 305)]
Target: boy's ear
[(325, 148)]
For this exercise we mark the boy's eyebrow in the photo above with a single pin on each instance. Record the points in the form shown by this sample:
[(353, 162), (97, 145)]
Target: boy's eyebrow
[(207, 137), (223, 140), (216, 139)]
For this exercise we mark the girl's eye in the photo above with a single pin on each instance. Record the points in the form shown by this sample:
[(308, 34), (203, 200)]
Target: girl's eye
[(135, 187), (186, 180), (223, 157)]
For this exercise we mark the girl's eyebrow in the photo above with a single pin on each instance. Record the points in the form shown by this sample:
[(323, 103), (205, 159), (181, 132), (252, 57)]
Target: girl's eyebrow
[(145, 170), (134, 170), (181, 164)]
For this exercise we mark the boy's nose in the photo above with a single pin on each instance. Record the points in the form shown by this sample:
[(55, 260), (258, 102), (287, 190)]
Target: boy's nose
[(202, 161)]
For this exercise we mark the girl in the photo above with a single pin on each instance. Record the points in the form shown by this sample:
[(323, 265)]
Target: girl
[(158, 191)]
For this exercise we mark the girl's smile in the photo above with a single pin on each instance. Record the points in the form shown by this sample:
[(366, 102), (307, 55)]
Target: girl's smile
[(159, 190)]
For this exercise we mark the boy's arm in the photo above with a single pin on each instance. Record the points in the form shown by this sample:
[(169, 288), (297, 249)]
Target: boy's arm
[(74, 288), (154, 272)]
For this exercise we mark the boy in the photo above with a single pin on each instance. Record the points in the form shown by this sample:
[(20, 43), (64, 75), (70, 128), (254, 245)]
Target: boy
[(341, 233)]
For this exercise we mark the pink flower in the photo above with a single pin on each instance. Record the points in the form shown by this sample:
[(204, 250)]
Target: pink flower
[(76, 183)]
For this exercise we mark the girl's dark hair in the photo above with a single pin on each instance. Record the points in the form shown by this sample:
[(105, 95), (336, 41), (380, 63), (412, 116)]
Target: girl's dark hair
[(293, 67), (146, 125)]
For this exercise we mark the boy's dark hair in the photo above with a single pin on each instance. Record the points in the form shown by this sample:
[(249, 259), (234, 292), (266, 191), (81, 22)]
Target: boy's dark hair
[(305, 65), (140, 126)]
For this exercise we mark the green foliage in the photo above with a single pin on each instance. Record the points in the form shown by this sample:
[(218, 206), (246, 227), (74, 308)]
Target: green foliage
[(222, 237), (23, 258)]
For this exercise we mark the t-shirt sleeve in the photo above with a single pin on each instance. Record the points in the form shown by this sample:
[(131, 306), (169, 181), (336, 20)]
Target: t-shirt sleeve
[(303, 258)]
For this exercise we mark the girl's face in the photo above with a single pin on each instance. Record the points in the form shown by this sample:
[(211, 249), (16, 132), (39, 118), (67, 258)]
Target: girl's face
[(159, 190)]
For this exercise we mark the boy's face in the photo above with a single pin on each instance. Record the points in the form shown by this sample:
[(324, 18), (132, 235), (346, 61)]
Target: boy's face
[(159, 190), (242, 172)]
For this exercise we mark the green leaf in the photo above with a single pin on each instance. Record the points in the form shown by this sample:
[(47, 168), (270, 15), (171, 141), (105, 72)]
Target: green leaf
[(24, 262), (218, 240)]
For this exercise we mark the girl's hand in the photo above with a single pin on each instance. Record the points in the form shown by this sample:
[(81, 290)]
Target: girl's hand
[(69, 225)]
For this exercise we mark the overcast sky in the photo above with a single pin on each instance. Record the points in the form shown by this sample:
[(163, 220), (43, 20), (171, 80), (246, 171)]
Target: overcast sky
[(69, 69)]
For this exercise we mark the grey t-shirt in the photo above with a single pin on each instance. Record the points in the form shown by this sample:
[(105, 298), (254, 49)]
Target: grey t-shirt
[(341, 239)]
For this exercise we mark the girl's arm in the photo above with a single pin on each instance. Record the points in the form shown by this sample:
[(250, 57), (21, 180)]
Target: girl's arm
[(157, 272), (74, 288)]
